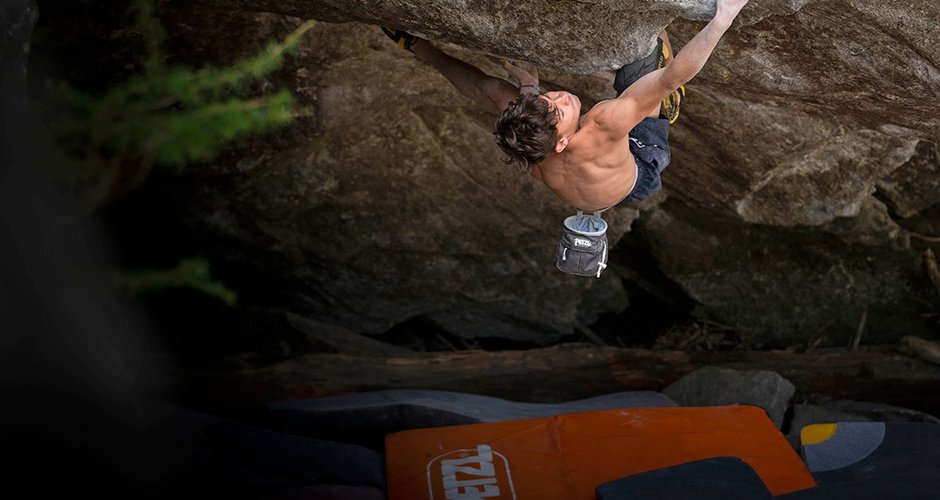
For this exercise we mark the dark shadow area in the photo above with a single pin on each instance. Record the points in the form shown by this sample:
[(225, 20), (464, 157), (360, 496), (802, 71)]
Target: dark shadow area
[(647, 318), (421, 334)]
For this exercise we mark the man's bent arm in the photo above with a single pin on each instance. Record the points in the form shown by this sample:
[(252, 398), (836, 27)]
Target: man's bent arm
[(623, 113), (492, 93)]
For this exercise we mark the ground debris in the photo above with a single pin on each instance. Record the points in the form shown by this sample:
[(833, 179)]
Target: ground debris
[(920, 348), (931, 262), (700, 335)]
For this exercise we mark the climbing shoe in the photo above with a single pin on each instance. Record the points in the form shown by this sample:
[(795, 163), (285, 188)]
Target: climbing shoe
[(404, 39), (670, 108), (632, 72)]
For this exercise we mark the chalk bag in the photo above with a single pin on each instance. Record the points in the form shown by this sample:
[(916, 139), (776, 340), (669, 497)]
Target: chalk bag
[(582, 249)]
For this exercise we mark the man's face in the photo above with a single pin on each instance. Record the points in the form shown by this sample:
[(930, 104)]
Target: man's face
[(567, 107)]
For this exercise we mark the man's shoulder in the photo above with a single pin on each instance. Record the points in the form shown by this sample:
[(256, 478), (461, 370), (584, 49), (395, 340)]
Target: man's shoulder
[(602, 114), (595, 126), (598, 109), (612, 117)]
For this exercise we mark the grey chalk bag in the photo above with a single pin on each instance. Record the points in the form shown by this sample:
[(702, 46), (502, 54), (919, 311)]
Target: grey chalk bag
[(582, 249)]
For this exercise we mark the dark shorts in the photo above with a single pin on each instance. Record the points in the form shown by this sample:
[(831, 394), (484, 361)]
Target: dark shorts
[(649, 140), (649, 144)]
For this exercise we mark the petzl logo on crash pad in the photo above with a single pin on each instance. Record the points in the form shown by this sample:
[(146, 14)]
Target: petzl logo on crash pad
[(470, 474)]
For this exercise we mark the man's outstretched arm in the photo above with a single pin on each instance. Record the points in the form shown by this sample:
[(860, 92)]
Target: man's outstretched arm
[(622, 114), (492, 93)]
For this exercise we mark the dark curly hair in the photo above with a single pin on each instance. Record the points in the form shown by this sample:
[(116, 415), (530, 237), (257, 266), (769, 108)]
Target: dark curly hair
[(526, 131)]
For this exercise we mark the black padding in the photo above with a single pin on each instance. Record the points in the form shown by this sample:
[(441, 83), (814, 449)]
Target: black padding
[(296, 457), (719, 478), (907, 447), (908, 486)]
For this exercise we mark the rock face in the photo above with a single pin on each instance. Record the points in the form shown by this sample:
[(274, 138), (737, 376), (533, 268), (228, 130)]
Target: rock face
[(810, 117), (552, 34), (392, 202), (792, 286), (714, 386), (808, 123), (805, 154)]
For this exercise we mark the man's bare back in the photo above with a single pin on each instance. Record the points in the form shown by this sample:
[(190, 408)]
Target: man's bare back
[(594, 171)]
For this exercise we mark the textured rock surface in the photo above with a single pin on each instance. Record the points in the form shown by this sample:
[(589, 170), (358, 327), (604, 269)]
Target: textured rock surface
[(552, 33), (915, 185), (810, 111), (806, 113), (392, 202), (713, 386), (806, 152), (792, 286)]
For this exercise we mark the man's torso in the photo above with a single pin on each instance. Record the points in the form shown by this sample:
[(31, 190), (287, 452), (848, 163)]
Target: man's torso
[(595, 171)]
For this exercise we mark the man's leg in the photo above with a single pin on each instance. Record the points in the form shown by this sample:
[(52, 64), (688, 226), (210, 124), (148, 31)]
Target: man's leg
[(631, 72), (654, 156), (492, 93), (655, 111)]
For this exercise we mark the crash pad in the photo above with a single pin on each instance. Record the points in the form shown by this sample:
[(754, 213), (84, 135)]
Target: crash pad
[(853, 451), (401, 409), (568, 456)]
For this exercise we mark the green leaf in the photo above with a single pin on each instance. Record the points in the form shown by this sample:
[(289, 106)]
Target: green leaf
[(189, 273)]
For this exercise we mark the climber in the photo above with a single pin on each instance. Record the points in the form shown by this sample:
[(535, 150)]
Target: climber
[(581, 158)]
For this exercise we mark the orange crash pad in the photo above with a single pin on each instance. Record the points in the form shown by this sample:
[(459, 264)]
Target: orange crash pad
[(568, 456)]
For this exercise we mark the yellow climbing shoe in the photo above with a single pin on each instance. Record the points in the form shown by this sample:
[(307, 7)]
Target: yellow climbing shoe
[(670, 109), (404, 39)]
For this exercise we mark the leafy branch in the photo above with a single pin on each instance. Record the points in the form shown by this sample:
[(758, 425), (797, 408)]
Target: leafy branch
[(166, 116), (189, 273)]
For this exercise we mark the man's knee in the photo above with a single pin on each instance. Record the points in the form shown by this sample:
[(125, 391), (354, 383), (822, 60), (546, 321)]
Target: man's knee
[(630, 73)]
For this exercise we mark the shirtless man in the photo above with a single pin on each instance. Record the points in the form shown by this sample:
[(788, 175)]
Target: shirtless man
[(583, 159)]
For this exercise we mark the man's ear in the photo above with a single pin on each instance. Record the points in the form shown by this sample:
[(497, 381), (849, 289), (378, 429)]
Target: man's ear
[(561, 144)]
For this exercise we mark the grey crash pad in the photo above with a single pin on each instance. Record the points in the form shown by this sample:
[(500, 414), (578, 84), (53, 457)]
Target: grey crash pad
[(391, 410), (860, 451)]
